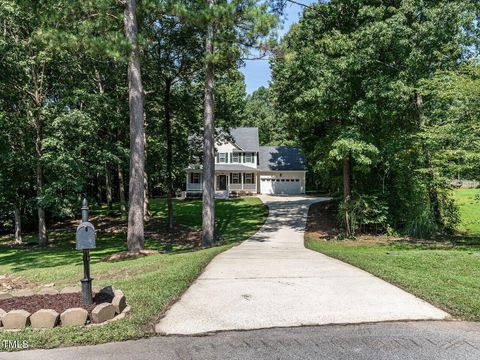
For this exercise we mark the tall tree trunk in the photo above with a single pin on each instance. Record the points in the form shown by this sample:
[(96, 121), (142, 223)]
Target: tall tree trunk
[(121, 189), (347, 193), (37, 78), (108, 188), (208, 209), (135, 237), (146, 203), (432, 190), (18, 225), (42, 224), (168, 134), (98, 188), (146, 196)]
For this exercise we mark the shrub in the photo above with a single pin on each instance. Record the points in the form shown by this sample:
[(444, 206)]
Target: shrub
[(367, 213), (421, 225)]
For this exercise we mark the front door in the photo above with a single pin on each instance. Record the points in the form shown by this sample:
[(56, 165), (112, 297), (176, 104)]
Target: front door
[(222, 182)]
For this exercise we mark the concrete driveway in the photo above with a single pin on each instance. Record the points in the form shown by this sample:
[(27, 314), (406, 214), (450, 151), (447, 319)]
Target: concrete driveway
[(271, 280)]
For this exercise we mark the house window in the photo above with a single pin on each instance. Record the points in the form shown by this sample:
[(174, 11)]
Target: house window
[(235, 178), (249, 157), (195, 178), (248, 178), (236, 157), (222, 157)]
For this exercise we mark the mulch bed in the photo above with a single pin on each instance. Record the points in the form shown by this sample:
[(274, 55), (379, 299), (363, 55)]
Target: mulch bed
[(58, 302)]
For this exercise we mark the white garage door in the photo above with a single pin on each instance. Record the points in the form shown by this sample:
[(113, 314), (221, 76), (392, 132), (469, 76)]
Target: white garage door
[(280, 186)]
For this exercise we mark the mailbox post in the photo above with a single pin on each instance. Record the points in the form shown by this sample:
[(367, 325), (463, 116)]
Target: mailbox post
[(85, 240)]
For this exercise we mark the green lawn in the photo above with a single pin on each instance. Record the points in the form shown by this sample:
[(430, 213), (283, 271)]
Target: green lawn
[(469, 210), (444, 273), (150, 283)]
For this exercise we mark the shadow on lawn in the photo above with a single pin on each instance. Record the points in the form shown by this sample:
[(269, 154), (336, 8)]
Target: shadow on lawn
[(25, 258), (235, 220), (458, 242)]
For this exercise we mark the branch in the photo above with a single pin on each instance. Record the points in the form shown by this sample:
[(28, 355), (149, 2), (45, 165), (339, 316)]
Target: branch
[(297, 3), (260, 57)]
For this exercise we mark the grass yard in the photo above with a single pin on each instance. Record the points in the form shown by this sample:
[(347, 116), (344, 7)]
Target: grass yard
[(150, 283), (469, 210), (444, 273)]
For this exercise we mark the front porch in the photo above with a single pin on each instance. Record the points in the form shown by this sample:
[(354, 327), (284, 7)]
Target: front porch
[(227, 184)]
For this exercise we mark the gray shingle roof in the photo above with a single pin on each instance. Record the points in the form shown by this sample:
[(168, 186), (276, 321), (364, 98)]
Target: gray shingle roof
[(282, 158), (246, 138)]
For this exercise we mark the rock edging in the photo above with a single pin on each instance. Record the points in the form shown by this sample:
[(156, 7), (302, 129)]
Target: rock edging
[(102, 314)]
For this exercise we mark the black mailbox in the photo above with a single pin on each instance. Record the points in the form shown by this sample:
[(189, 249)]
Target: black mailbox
[(86, 236)]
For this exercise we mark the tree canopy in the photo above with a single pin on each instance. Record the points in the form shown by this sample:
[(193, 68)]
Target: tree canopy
[(357, 82)]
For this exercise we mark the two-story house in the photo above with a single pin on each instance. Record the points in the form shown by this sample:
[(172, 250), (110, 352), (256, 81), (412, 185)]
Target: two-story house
[(243, 166)]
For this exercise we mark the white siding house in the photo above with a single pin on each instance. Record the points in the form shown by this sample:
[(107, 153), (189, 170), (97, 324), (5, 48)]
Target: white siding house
[(242, 166)]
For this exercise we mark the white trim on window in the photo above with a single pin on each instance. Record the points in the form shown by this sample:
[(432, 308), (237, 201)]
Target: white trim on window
[(248, 178), (236, 157), (223, 157), (235, 178), (249, 157)]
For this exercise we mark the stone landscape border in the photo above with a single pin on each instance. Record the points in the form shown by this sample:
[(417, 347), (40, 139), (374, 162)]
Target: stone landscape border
[(102, 314)]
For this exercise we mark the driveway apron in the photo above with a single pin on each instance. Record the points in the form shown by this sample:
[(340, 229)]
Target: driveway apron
[(272, 280)]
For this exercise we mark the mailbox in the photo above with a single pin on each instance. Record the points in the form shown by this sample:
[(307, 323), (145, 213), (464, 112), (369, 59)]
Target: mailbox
[(86, 236)]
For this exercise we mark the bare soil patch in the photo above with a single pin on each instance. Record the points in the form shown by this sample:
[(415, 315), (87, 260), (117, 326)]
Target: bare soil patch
[(122, 255), (8, 283), (179, 235), (58, 302), (322, 221)]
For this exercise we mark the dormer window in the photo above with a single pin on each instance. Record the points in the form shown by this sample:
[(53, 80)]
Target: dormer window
[(222, 157)]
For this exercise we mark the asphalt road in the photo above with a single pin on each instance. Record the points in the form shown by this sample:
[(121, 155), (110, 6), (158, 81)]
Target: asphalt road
[(437, 340)]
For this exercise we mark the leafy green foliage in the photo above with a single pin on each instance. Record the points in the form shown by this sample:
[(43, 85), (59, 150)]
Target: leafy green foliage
[(260, 112), (68, 156), (362, 82), (368, 213)]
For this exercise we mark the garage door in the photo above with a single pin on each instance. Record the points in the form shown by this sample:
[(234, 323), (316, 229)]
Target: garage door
[(280, 186)]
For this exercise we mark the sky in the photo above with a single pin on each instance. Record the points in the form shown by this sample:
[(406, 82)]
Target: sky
[(257, 72)]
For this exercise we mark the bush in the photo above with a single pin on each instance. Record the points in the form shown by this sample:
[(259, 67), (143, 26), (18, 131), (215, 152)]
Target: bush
[(422, 225), (367, 213)]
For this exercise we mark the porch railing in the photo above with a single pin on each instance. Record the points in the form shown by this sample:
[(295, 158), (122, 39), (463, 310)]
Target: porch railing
[(194, 187), (239, 187)]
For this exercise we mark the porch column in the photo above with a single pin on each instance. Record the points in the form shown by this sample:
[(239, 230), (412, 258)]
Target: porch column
[(241, 180), (186, 184)]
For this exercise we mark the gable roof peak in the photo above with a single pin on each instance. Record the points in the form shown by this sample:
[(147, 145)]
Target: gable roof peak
[(246, 138)]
